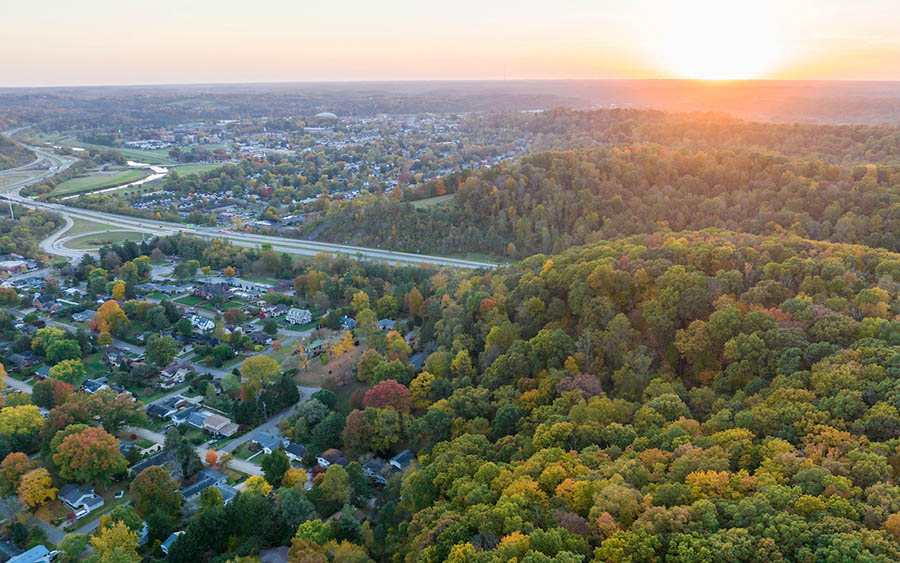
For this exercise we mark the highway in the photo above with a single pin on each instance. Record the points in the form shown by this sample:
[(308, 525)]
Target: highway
[(55, 243)]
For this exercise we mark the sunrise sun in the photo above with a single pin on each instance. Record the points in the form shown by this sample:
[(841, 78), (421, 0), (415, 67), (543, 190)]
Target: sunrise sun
[(717, 40)]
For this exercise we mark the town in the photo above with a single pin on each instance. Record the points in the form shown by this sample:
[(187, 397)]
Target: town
[(131, 374)]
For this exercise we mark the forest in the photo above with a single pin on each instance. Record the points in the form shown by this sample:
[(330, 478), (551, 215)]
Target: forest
[(548, 202), (684, 397)]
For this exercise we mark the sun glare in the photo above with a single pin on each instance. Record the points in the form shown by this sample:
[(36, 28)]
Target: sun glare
[(718, 40)]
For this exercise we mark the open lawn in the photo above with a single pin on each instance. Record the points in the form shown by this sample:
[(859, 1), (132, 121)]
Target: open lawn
[(98, 181), (101, 239), (427, 202), (188, 169), (81, 227), (160, 156), (190, 300)]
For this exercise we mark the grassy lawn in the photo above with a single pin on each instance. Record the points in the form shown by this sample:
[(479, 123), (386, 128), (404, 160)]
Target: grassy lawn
[(244, 451), (188, 169), (477, 256), (158, 395), (159, 156), (94, 366), (101, 239), (98, 181), (281, 355), (156, 295), (190, 300), (82, 227), (432, 201)]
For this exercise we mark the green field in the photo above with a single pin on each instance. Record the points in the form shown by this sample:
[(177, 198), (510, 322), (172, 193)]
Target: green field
[(100, 239), (83, 227), (159, 156), (190, 300), (188, 169), (431, 201), (98, 181)]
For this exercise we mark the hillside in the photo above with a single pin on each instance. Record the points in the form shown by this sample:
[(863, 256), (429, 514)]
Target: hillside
[(12, 154)]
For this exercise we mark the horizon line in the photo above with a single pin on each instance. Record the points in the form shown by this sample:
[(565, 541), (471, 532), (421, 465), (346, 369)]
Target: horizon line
[(454, 80)]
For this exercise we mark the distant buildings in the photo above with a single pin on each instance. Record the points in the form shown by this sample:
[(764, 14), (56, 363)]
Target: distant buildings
[(298, 316)]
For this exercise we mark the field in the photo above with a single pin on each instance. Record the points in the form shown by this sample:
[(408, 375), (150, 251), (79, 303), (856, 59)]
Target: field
[(188, 169), (159, 156), (100, 239), (82, 227), (98, 181), (431, 201)]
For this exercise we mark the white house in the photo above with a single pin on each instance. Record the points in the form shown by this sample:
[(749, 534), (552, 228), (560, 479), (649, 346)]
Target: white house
[(298, 316)]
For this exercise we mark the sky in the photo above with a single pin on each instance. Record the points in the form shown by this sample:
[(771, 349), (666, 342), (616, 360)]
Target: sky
[(64, 42)]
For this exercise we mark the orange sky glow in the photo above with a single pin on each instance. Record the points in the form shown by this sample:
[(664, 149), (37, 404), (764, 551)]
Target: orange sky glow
[(115, 42)]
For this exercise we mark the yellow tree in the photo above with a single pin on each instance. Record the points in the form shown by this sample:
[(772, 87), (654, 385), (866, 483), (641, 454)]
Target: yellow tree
[(118, 290), (110, 317), (258, 484), (294, 477), (229, 272), (258, 371), (36, 488), (343, 346), (117, 543)]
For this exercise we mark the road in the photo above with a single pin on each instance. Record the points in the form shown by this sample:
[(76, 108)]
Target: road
[(56, 164)]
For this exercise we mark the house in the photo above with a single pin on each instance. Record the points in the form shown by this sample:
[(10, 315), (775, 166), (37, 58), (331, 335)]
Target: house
[(348, 323), (260, 338), (125, 446), (83, 316), (298, 316), (206, 478), (201, 323), (217, 424), (166, 408), (295, 451), (174, 374), (169, 541), (330, 457), (113, 356), (72, 292), (386, 324), (268, 442), (37, 554), (93, 385), (228, 492), (197, 418), (418, 360), (181, 417), (377, 469), (403, 460), (315, 348), (43, 372), (272, 311), (80, 498), (161, 459), (23, 360), (211, 290), (46, 303)]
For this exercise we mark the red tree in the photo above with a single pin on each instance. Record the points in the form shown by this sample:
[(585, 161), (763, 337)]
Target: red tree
[(388, 393)]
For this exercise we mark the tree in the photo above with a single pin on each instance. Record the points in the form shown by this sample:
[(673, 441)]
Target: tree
[(184, 327), (154, 489), (111, 318), (20, 425), (44, 337), (388, 393), (118, 290), (293, 507), (274, 466), (69, 371), (228, 272), (335, 485), (115, 410), (415, 303), (60, 350), (36, 488), (270, 327), (258, 371), (90, 455), (366, 324), (13, 467), (294, 477), (116, 544), (211, 457), (160, 350), (257, 484), (211, 498), (50, 393)]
